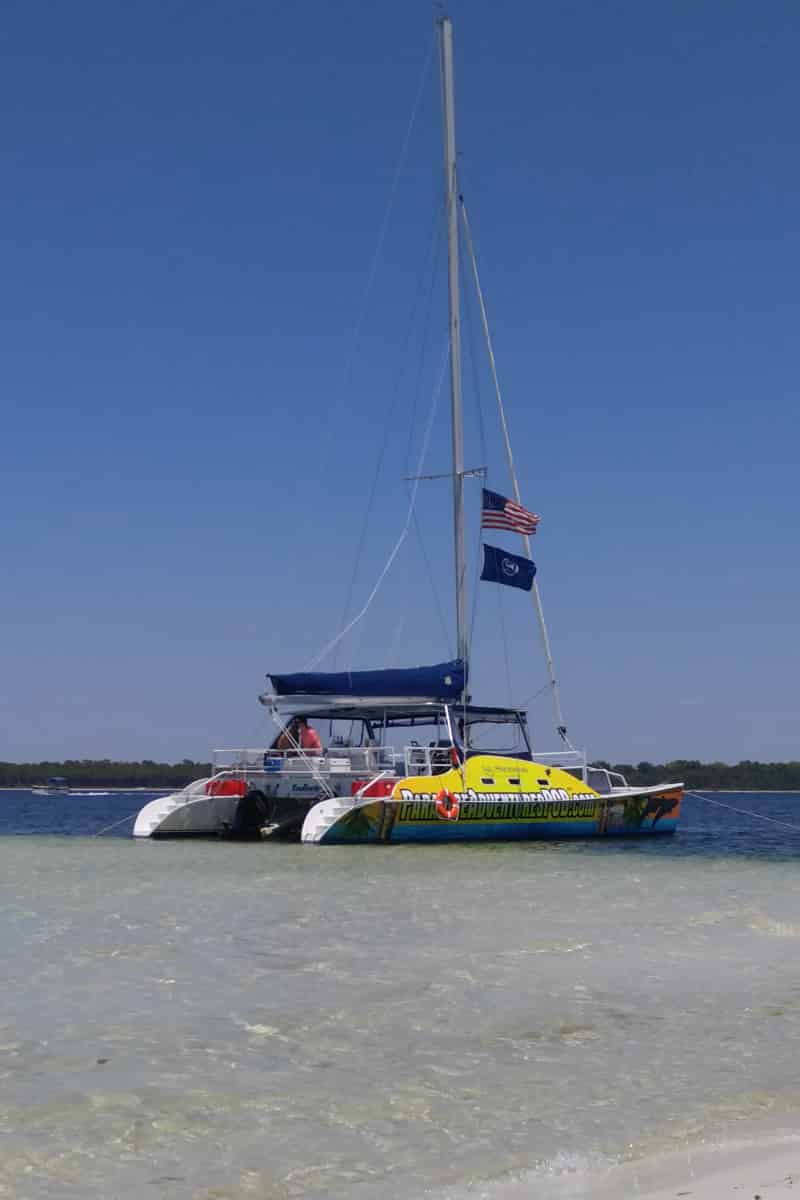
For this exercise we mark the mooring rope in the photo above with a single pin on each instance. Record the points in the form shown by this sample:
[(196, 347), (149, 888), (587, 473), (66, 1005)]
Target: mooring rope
[(114, 824), (745, 812)]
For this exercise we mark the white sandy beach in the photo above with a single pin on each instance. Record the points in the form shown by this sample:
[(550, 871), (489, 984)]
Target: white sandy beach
[(762, 1166), (722, 1173)]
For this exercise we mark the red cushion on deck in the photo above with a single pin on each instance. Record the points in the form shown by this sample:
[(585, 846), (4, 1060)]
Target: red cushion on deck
[(381, 787), (226, 787)]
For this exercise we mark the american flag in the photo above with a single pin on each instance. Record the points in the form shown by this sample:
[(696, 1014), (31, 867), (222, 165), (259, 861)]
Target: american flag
[(500, 513)]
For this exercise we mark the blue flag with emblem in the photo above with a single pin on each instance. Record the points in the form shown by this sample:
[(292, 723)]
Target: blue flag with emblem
[(499, 566)]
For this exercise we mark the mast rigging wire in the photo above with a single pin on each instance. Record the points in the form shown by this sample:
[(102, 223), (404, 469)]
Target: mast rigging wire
[(433, 253), (505, 645), (376, 257), (403, 533), (432, 580), (560, 726), (426, 327), (473, 357), (475, 583), (535, 696), (311, 763)]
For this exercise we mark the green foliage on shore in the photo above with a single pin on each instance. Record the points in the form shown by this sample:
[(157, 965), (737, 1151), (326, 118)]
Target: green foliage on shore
[(746, 776), (104, 773)]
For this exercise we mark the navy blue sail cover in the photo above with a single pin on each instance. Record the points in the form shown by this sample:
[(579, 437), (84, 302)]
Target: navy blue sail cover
[(444, 681)]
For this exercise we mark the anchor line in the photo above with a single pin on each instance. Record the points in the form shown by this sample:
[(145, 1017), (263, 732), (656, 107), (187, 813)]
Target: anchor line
[(745, 812), (114, 824)]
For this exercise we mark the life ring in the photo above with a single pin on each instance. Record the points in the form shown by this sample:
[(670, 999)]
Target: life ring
[(448, 805)]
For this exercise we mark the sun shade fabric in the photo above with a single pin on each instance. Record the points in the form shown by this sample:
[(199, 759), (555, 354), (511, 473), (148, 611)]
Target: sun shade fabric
[(444, 681)]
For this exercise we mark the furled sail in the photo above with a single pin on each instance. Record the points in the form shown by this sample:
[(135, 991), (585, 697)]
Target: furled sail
[(443, 681)]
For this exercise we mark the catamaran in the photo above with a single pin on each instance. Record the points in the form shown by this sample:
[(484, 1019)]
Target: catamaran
[(407, 758), (407, 755)]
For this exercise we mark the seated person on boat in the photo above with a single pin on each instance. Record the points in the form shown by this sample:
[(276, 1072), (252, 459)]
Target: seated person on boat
[(298, 737)]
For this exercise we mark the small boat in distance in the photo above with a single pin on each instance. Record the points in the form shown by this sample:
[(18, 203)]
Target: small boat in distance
[(56, 785)]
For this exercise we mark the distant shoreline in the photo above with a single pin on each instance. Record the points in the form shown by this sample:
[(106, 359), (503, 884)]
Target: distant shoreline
[(91, 787)]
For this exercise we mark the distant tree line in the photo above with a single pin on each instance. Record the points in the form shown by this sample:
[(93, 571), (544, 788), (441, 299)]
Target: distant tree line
[(104, 773), (743, 776)]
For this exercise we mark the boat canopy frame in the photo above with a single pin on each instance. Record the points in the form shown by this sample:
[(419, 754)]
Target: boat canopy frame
[(395, 712)]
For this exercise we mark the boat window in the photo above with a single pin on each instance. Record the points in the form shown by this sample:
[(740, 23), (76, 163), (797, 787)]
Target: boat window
[(440, 757), (485, 737), (487, 782)]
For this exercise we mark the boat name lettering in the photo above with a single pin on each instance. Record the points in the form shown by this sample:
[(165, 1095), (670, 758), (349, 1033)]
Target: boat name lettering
[(550, 804)]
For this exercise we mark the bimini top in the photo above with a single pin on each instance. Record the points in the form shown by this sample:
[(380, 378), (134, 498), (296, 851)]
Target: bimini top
[(391, 711), (444, 681)]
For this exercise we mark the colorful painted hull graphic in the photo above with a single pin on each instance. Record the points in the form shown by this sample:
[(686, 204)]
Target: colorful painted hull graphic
[(501, 799)]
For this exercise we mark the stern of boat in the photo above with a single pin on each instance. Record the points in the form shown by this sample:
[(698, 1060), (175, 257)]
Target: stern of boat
[(191, 812), (634, 811)]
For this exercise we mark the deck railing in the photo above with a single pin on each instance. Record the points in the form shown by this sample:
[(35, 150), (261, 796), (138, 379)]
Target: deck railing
[(342, 760)]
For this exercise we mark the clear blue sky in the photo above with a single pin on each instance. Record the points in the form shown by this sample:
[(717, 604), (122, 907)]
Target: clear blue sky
[(190, 203)]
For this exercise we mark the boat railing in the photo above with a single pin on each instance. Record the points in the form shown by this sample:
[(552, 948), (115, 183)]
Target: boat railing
[(427, 760), (618, 782), (336, 760), (343, 760), (598, 778), (605, 782), (573, 761), (251, 762)]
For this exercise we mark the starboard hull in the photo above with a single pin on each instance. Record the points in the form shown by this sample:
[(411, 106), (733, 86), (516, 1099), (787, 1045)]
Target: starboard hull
[(525, 814)]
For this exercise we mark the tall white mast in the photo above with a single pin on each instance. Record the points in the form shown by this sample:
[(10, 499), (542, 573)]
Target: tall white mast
[(451, 194), (537, 600)]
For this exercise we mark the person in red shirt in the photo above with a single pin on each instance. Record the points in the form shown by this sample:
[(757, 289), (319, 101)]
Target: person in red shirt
[(308, 738), (286, 739)]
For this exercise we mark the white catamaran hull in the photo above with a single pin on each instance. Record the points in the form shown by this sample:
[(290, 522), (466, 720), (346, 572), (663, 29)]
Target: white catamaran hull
[(177, 815), (494, 799), (278, 800)]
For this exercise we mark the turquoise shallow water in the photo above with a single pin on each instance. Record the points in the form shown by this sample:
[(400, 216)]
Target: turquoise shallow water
[(220, 1021)]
